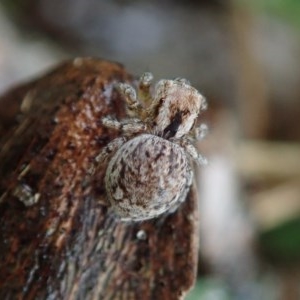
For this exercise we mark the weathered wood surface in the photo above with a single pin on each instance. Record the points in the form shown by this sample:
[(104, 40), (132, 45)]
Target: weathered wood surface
[(69, 245)]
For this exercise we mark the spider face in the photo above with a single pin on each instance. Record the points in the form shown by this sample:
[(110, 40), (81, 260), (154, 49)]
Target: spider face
[(177, 105), (149, 171)]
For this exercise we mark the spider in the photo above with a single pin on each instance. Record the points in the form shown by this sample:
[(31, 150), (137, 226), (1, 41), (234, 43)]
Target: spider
[(150, 172)]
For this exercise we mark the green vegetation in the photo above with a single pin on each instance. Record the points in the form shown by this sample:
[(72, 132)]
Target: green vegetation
[(288, 10), (282, 244), (208, 288)]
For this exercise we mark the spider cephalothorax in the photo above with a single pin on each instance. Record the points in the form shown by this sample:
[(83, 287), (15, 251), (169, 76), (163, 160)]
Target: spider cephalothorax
[(149, 172)]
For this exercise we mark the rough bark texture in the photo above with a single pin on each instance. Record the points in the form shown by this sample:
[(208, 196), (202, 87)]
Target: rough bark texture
[(58, 238)]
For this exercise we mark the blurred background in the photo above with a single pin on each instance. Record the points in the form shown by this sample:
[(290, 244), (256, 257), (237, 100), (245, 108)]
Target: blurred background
[(244, 57)]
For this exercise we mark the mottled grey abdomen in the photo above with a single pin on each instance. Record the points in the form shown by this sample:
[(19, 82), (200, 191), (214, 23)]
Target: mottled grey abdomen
[(146, 177)]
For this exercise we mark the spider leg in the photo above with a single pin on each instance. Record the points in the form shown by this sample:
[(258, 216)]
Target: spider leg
[(133, 105), (193, 152), (132, 126), (203, 104), (127, 126), (200, 132), (110, 148), (145, 83), (183, 80), (111, 123)]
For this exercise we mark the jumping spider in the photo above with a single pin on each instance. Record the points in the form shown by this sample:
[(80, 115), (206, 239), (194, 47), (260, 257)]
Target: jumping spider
[(149, 172)]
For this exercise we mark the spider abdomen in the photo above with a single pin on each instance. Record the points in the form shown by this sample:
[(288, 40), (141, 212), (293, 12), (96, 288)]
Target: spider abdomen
[(147, 176)]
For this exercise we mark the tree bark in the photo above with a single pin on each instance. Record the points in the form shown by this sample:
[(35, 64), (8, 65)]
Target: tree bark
[(58, 237)]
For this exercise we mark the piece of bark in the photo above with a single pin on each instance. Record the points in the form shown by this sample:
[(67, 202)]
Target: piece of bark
[(58, 239)]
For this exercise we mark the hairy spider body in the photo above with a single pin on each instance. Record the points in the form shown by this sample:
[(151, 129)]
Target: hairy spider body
[(140, 191), (149, 172)]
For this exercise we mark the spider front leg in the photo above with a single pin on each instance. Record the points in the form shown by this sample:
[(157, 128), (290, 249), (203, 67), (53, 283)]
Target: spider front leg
[(127, 126), (133, 105)]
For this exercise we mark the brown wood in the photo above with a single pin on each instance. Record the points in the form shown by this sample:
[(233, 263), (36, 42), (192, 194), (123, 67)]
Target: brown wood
[(58, 238)]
